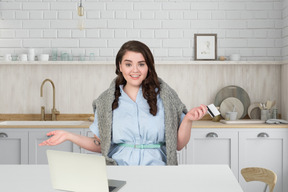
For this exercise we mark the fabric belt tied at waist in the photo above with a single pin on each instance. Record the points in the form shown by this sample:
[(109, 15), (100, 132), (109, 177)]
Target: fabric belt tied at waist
[(141, 146)]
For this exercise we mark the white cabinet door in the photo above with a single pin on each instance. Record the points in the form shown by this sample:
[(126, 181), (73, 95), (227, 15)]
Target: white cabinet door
[(37, 154), (13, 146), (264, 148), (213, 146), (89, 133), (182, 156)]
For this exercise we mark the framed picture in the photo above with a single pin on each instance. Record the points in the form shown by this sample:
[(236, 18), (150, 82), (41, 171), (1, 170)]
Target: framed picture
[(205, 46)]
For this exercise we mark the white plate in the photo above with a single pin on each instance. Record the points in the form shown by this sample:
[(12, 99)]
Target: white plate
[(228, 104), (233, 91)]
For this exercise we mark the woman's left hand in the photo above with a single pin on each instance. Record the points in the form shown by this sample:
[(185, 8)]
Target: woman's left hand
[(197, 113)]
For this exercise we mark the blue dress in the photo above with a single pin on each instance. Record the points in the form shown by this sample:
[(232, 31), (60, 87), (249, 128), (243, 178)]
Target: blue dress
[(133, 124)]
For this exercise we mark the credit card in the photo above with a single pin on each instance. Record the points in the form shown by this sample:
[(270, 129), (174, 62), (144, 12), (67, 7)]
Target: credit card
[(212, 110)]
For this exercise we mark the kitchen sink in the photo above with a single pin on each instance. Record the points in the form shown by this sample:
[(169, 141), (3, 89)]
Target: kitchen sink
[(41, 122)]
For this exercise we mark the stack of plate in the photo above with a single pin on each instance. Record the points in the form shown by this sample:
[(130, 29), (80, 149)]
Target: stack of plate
[(233, 97)]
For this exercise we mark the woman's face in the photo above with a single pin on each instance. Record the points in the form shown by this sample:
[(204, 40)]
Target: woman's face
[(134, 68)]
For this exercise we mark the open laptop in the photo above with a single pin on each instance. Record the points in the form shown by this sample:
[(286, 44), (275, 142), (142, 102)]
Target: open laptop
[(79, 172)]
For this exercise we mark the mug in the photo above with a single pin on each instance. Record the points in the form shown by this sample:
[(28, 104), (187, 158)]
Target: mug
[(8, 57), (23, 57), (233, 115), (235, 57), (43, 57), (31, 54)]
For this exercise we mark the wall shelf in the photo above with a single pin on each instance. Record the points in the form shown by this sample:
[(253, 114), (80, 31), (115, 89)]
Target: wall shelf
[(157, 62)]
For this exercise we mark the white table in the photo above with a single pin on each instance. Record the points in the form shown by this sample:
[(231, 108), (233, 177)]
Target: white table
[(198, 178)]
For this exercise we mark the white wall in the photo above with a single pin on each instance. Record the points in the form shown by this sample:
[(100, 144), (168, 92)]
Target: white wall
[(257, 29), (252, 28), (285, 30)]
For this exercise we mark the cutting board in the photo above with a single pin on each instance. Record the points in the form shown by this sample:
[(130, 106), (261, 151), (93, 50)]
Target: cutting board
[(242, 121)]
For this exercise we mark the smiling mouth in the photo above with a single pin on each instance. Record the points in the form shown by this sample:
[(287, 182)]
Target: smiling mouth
[(135, 76)]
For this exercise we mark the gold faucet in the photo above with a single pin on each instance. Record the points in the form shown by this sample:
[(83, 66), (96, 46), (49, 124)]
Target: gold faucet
[(54, 110)]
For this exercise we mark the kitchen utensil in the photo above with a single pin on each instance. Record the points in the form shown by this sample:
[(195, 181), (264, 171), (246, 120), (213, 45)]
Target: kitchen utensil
[(31, 54), (265, 114), (232, 116), (273, 103), (92, 57), (231, 104), (65, 57), (233, 91), (43, 57), (260, 106), (54, 54), (23, 57), (8, 57), (14, 57), (268, 104), (235, 57)]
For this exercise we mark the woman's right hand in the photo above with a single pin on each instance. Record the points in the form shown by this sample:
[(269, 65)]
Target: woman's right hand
[(56, 137)]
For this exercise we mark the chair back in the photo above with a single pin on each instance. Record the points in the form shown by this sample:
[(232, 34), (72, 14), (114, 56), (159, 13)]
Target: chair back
[(260, 174)]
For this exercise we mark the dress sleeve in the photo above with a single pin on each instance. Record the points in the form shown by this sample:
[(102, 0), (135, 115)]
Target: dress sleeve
[(182, 117), (94, 126)]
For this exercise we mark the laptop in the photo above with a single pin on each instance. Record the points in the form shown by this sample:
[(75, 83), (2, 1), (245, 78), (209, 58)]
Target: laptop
[(80, 172)]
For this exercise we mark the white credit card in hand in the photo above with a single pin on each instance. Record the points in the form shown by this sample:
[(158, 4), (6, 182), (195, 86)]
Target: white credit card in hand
[(212, 110)]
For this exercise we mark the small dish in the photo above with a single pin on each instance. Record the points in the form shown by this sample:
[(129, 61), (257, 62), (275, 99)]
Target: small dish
[(254, 111)]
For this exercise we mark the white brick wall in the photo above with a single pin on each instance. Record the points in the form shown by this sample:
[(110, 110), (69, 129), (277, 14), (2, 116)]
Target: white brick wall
[(257, 29), (285, 30)]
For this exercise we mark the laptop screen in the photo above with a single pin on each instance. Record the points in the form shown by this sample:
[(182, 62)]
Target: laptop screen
[(79, 172)]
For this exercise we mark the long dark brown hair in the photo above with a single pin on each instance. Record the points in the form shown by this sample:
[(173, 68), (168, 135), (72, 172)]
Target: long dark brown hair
[(150, 85)]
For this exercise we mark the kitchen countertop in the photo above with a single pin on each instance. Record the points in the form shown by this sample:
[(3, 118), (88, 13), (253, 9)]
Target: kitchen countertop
[(196, 124), (212, 124), (82, 124)]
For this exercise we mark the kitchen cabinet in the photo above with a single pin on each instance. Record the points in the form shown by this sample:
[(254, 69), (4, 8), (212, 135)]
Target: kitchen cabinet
[(89, 133), (37, 154), (240, 148), (213, 146), (20, 146), (13, 146), (266, 148), (182, 156)]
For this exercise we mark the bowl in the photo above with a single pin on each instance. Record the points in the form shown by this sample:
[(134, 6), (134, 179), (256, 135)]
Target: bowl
[(43, 57), (235, 57)]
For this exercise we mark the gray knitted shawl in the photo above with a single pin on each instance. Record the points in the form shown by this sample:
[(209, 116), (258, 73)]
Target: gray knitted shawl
[(173, 108)]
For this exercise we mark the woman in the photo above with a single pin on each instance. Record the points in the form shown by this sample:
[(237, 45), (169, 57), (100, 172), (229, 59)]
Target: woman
[(139, 119)]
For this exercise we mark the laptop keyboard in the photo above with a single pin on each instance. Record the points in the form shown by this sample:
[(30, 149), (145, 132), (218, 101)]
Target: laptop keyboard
[(111, 188)]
